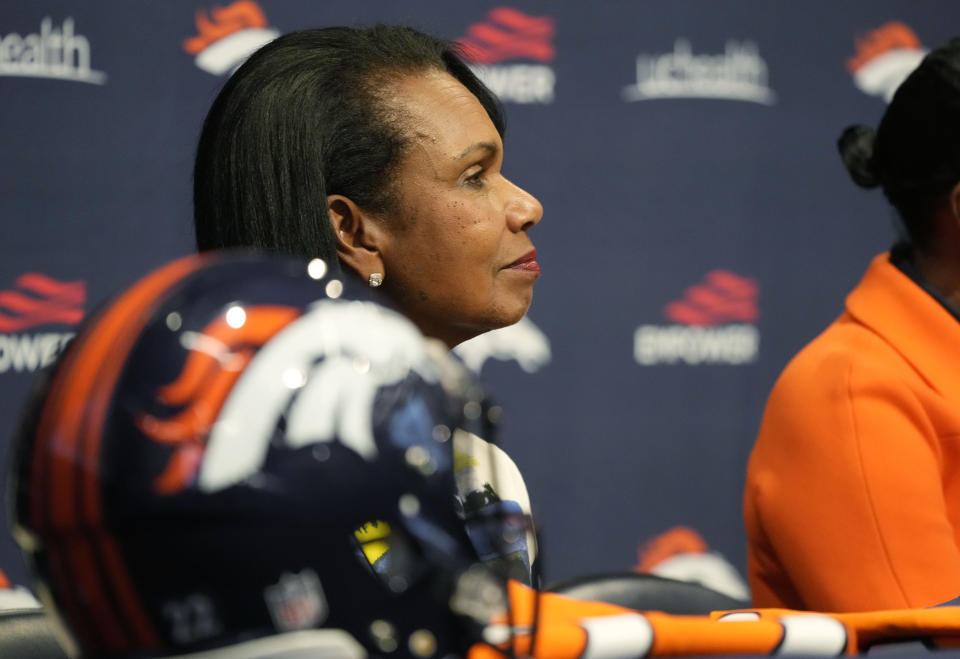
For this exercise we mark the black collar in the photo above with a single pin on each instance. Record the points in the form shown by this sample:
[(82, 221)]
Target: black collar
[(901, 255)]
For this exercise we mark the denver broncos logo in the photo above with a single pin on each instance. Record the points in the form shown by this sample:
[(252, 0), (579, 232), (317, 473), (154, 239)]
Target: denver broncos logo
[(682, 554), (523, 342), (888, 37), (218, 356), (320, 375), (228, 36), (884, 59), (225, 21)]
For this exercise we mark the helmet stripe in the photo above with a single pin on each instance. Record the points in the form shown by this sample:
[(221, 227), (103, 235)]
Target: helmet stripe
[(71, 427)]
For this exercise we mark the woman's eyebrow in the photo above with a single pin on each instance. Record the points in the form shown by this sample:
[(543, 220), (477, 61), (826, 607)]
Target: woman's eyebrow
[(490, 147)]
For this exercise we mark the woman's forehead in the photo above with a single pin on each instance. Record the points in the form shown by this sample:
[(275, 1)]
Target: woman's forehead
[(438, 110)]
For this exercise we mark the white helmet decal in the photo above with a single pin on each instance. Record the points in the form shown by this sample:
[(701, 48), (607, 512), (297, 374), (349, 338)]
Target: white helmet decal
[(330, 363)]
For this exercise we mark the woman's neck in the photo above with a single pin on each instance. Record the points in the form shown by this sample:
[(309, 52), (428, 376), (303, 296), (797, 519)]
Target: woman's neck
[(941, 269)]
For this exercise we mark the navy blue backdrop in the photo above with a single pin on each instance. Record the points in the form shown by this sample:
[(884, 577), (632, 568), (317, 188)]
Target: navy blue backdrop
[(699, 227)]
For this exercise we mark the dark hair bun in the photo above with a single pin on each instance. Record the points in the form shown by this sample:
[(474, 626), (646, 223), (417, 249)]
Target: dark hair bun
[(857, 146)]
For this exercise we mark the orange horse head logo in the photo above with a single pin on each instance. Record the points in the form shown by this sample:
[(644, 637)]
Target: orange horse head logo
[(217, 357)]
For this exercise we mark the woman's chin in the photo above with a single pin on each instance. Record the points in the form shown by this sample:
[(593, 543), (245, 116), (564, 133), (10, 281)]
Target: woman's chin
[(506, 317), (455, 335), (456, 325)]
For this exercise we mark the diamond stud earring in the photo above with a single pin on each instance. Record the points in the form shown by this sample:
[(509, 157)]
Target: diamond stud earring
[(375, 279)]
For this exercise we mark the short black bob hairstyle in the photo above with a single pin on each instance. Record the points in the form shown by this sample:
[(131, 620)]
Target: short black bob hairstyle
[(304, 118), (914, 155)]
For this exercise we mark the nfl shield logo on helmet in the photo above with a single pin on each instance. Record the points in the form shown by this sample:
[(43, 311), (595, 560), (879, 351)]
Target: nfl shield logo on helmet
[(296, 601)]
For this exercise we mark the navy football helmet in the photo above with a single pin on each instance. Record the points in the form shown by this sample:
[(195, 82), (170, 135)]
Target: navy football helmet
[(252, 452)]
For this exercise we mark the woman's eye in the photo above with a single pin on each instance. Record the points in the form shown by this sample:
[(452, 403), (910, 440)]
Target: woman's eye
[(476, 180)]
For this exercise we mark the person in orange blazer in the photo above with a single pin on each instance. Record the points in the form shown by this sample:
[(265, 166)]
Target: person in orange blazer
[(852, 499)]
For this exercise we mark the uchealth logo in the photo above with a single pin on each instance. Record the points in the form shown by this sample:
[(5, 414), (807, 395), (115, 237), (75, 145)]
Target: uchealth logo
[(884, 58), (55, 50), (739, 73), (523, 343), (714, 322), (510, 51), (227, 36), (36, 300)]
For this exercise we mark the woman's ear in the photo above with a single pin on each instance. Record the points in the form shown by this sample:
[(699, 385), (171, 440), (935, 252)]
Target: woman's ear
[(358, 236)]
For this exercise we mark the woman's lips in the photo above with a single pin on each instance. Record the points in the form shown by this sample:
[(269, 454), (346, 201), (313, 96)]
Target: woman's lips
[(527, 263)]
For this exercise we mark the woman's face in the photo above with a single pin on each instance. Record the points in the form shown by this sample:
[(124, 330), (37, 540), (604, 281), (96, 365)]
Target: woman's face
[(457, 257)]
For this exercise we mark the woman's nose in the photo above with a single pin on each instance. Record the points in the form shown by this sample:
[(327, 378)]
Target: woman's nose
[(523, 209)]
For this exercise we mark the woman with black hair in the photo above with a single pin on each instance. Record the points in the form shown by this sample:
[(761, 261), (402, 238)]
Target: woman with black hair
[(378, 150), (852, 499)]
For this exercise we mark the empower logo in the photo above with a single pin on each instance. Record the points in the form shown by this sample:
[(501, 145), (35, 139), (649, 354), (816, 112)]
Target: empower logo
[(509, 34), (54, 51), (884, 59), (228, 36), (713, 323), (736, 74), (35, 300)]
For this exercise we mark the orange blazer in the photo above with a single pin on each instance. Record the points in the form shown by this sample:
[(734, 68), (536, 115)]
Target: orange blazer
[(852, 500)]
